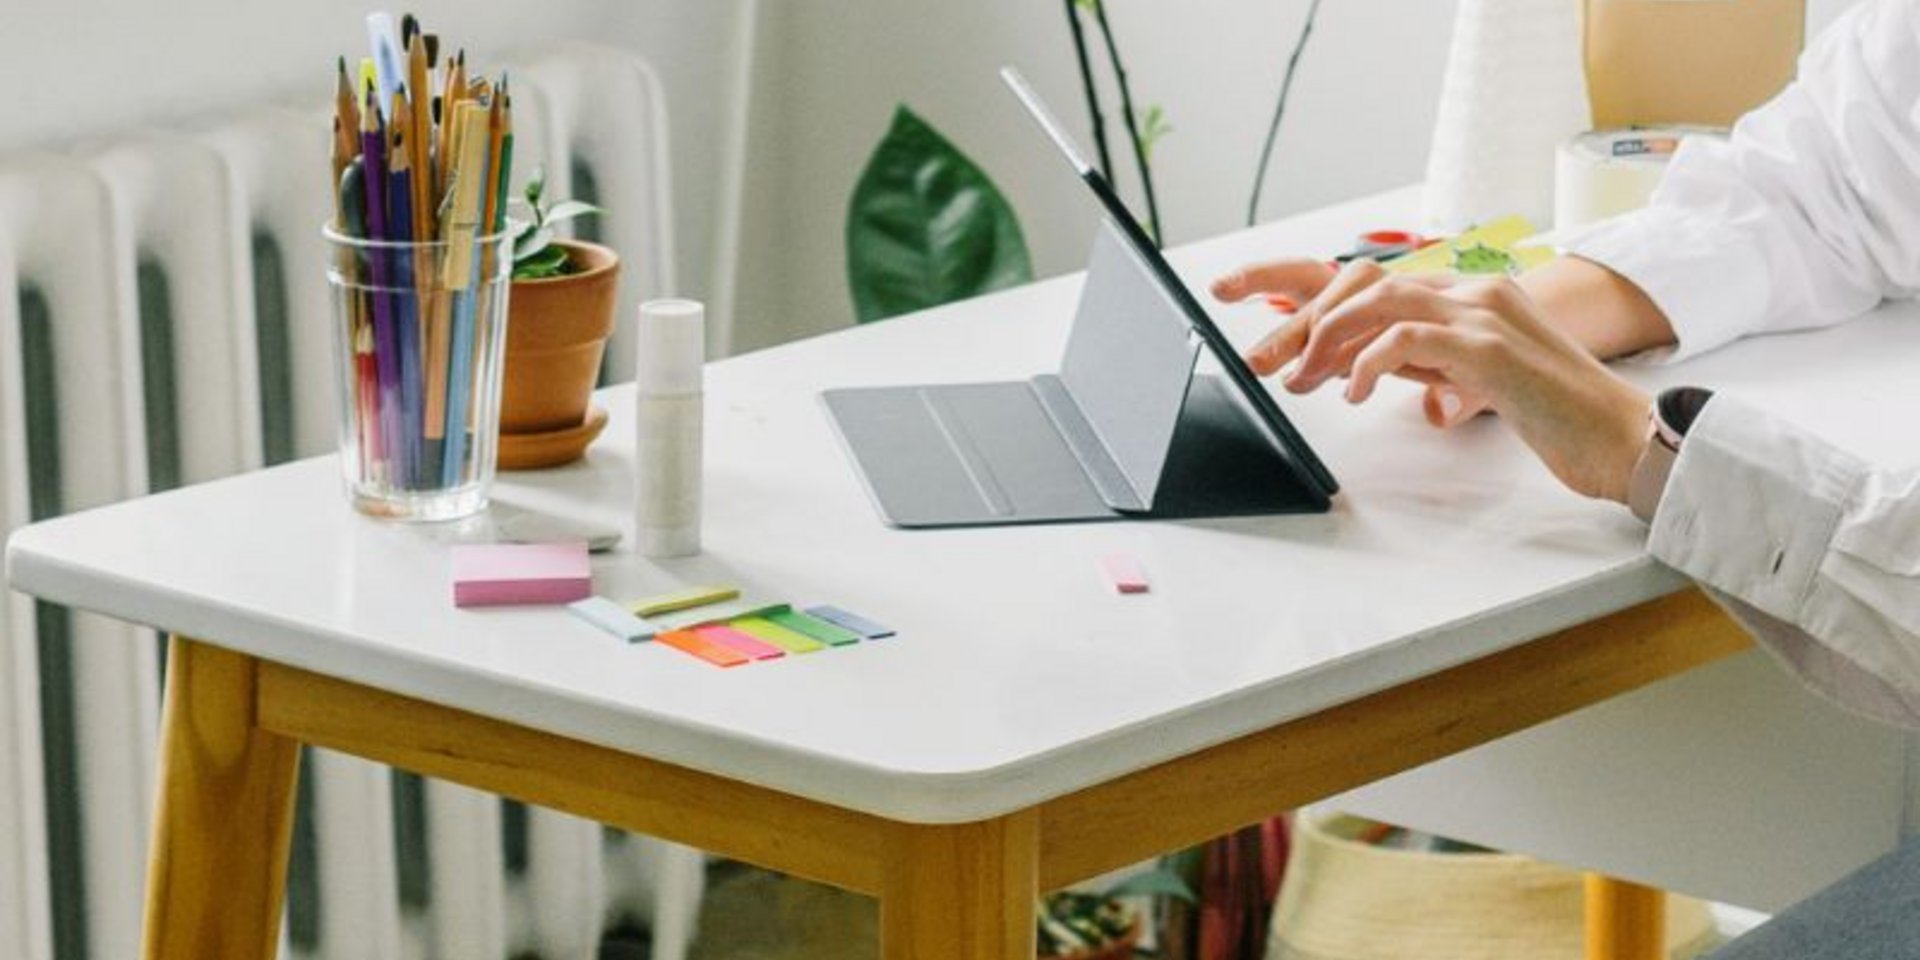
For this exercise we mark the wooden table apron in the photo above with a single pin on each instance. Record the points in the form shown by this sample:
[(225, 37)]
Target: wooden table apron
[(965, 891)]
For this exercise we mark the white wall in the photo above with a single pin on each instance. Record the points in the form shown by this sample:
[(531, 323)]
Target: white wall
[(831, 71)]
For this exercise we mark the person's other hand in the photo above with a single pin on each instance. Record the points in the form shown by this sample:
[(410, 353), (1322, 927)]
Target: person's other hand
[(1487, 338), (1320, 288)]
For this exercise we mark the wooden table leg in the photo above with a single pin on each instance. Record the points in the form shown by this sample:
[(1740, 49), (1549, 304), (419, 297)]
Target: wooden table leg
[(961, 892), (217, 870), (1625, 921)]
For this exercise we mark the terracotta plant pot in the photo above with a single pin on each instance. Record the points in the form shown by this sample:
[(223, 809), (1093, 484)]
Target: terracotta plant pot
[(557, 330)]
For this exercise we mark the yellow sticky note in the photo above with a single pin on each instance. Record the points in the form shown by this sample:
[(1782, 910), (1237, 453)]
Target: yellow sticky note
[(792, 641), (1505, 234), (684, 600)]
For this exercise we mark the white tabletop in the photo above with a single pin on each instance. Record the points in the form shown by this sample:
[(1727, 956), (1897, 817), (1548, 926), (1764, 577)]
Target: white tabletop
[(1017, 674)]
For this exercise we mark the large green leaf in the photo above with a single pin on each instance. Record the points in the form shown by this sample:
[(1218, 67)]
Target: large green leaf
[(927, 227)]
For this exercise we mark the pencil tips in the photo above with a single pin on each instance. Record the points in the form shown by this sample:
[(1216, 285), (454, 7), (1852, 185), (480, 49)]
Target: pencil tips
[(433, 49), (409, 28)]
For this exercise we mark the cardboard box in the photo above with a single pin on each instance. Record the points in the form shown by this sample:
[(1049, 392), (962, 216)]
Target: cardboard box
[(1657, 62)]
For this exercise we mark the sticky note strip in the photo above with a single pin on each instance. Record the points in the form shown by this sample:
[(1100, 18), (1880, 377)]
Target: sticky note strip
[(1124, 573), (814, 627), (851, 621), (493, 574), (716, 654), (719, 613), (789, 640), (683, 600), (613, 618), (753, 647)]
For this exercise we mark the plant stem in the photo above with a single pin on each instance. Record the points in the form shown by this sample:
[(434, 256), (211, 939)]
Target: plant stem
[(1280, 110), (1093, 92), (1133, 125)]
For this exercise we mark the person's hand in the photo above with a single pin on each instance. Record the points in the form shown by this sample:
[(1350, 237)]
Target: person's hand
[(1320, 288), (1485, 338)]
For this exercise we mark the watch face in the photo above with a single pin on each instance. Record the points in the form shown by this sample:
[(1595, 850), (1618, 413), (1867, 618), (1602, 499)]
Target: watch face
[(1680, 406)]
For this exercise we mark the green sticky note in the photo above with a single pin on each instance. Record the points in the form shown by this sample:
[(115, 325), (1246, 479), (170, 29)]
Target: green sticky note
[(829, 633), (792, 641)]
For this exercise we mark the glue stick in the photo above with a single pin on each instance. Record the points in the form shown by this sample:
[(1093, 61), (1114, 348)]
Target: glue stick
[(669, 412)]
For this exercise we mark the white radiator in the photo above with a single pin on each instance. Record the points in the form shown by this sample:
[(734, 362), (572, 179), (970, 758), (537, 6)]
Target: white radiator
[(163, 321)]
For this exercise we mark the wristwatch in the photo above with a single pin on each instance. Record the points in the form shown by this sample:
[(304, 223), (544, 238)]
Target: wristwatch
[(1673, 413)]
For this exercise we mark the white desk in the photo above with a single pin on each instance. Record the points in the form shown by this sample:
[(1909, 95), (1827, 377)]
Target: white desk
[(1019, 685)]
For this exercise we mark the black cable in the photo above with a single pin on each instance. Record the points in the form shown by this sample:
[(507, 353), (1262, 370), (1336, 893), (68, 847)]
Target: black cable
[(1093, 93), (1280, 110)]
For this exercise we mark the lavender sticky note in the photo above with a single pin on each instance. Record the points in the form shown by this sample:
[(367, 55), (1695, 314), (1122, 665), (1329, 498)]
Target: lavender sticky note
[(498, 574), (851, 621)]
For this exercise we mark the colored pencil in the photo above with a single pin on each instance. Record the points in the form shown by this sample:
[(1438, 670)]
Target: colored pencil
[(468, 177), (420, 90), (406, 315), (367, 404), (386, 349), (506, 157), (496, 141)]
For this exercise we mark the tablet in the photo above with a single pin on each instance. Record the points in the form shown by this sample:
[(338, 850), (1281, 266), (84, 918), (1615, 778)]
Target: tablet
[(1124, 429), (1246, 385)]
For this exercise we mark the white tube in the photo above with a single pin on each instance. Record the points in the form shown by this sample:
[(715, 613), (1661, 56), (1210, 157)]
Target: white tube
[(668, 371)]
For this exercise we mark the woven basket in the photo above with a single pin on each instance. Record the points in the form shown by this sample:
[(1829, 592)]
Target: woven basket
[(1346, 900)]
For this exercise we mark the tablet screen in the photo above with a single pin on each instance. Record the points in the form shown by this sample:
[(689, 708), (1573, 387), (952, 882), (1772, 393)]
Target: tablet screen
[(1305, 463)]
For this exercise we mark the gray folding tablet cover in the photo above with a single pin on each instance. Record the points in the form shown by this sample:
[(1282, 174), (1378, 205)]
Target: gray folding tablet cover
[(1124, 429)]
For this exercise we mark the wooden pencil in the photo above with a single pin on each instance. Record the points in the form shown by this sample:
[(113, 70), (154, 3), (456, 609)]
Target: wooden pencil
[(341, 157), (419, 87), (452, 91), (345, 106)]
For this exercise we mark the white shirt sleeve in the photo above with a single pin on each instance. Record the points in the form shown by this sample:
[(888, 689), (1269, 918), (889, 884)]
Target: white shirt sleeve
[(1813, 549), (1809, 214)]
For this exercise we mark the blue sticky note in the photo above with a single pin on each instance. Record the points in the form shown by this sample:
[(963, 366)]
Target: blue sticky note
[(852, 621), (613, 618)]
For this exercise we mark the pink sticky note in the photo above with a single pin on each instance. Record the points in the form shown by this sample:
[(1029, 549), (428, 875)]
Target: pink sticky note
[(1125, 573), (733, 639), (495, 574), (689, 642)]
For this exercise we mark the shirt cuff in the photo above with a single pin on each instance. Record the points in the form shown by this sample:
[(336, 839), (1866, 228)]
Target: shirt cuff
[(1699, 270), (1752, 506)]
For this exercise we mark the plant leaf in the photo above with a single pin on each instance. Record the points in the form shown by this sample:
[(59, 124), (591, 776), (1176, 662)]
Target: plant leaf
[(1153, 128), (926, 227), (568, 209), (1153, 883), (532, 244), (536, 184), (549, 262)]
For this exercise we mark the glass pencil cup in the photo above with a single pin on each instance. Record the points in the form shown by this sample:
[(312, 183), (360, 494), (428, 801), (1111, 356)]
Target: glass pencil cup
[(419, 330)]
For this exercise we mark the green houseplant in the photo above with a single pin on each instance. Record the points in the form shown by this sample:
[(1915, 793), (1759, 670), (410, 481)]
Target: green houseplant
[(926, 226), (1083, 925), (560, 313)]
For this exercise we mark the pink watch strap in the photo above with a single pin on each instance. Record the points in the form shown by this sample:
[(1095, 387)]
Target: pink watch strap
[(1650, 472)]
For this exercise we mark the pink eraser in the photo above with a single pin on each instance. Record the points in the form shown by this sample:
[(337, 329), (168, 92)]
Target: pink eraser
[(496, 574), (1125, 573)]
